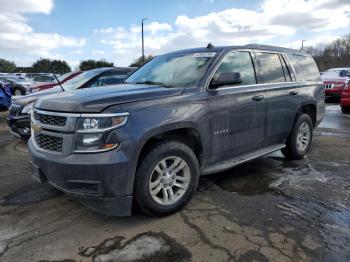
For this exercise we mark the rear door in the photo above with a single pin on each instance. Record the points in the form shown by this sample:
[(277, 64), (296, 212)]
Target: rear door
[(237, 112), (282, 95)]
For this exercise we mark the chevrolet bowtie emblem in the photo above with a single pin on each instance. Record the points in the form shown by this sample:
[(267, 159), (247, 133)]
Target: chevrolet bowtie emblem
[(36, 128)]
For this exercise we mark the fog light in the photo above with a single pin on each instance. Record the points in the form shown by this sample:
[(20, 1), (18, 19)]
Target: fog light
[(89, 139)]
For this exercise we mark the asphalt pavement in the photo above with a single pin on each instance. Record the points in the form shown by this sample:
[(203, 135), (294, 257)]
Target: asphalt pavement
[(269, 209)]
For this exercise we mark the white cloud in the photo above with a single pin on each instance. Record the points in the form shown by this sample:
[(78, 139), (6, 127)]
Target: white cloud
[(98, 52), (18, 39), (316, 15), (274, 22)]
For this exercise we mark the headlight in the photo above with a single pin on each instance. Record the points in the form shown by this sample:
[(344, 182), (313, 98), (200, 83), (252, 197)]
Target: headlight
[(93, 130), (28, 108)]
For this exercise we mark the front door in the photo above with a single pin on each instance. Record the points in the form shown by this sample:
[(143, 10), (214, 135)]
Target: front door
[(238, 112)]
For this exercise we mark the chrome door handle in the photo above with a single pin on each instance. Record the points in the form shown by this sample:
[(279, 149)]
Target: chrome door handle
[(258, 97), (293, 92)]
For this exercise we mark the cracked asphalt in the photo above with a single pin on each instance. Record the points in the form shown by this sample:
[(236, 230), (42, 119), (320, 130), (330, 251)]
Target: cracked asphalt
[(269, 209)]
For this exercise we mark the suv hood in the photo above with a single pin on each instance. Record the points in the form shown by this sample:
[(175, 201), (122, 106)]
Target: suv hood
[(95, 100)]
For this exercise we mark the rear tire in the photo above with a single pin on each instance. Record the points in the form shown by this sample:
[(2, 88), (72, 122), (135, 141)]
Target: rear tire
[(299, 140), (166, 178), (17, 91), (345, 110)]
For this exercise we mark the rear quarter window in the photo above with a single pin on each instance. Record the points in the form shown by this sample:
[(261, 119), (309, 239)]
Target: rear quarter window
[(305, 68)]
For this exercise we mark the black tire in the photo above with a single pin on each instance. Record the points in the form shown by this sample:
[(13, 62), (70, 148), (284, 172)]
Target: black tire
[(160, 151), (17, 91), (291, 150), (345, 110)]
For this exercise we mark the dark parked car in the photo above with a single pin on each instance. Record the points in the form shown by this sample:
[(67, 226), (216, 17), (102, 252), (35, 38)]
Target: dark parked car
[(19, 113), (62, 79), (18, 86), (181, 115)]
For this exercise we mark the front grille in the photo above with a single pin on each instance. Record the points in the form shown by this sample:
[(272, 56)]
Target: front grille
[(15, 110), (50, 119), (47, 142)]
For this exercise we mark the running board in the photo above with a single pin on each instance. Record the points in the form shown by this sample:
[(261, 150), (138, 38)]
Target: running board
[(240, 159)]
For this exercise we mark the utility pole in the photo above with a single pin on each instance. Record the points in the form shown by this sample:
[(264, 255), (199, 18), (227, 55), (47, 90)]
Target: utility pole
[(143, 47), (302, 44)]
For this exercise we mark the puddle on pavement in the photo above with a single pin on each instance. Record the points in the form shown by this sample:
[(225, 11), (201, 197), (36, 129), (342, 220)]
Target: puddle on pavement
[(246, 184), (256, 177), (342, 218), (148, 246), (32, 193)]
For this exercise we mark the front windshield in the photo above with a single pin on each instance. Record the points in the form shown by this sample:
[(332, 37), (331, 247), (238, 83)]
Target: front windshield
[(80, 79), (178, 70)]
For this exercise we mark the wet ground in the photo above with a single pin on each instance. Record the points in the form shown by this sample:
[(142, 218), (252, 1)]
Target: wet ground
[(269, 209)]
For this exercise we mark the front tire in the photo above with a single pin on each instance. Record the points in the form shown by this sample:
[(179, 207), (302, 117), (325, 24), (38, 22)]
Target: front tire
[(299, 140), (345, 110), (166, 178)]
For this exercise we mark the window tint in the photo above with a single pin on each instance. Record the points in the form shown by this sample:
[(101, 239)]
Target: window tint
[(108, 80), (38, 79), (271, 68), (305, 68), (344, 73), (238, 62)]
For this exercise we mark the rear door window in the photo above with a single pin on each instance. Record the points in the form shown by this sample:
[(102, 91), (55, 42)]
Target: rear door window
[(238, 62), (305, 68), (271, 67)]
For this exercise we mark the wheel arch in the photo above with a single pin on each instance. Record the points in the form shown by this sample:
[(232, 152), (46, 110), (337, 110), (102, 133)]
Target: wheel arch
[(185, 132), (311, 110)]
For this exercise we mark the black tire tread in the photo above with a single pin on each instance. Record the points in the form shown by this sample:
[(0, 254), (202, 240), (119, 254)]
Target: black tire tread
[(290, 150), (345, 110)]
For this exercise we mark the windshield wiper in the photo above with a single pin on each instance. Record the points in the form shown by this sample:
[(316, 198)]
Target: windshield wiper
[(148, 82)]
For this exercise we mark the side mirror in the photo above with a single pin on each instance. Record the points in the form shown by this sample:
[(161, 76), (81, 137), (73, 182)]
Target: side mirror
[(226, 79)]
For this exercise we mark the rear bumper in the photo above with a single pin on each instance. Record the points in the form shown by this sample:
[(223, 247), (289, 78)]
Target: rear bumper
[(99, 181), (19, 125)]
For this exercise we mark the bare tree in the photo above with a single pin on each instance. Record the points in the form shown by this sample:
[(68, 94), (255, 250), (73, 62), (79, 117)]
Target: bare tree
[(335, 54)]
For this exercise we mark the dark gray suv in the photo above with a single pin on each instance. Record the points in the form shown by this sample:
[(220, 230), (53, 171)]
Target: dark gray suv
[(182, 115)]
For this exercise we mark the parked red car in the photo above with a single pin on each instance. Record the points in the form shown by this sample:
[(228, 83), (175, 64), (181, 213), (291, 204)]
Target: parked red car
[(62, 79), (335, 81), (345, 99)]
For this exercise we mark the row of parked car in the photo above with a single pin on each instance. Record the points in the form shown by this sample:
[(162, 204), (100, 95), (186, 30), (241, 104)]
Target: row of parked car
[(337, 86), (21, 107), (22, 84)]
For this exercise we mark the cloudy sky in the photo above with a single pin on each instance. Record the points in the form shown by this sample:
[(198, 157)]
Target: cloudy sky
[(110, 29)]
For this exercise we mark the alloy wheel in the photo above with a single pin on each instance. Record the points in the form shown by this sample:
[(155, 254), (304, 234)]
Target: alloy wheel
[(169, 180), (303, 136)]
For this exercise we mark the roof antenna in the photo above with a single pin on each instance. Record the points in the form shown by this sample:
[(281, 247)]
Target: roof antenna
[(58, 81), (210, 46)]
